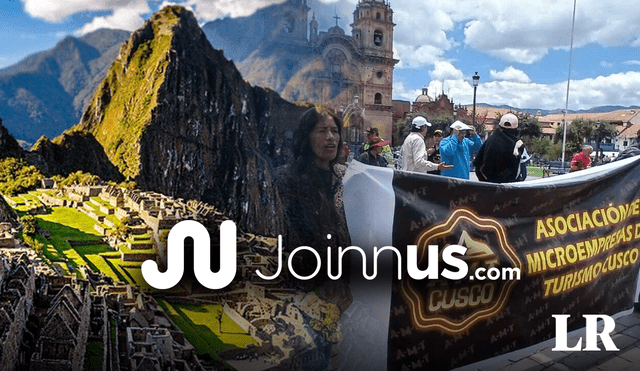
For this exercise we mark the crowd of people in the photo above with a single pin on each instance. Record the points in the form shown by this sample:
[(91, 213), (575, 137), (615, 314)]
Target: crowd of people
[(310, 186)]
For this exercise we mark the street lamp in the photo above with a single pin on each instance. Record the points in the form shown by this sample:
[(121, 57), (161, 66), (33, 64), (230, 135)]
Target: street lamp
[(476, 80)]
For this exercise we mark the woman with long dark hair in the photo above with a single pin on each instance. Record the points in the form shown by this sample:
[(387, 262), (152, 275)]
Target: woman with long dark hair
[(311, 189)]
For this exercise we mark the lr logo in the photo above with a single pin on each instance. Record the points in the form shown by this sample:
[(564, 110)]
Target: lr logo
[(201, 257), (591, 333)]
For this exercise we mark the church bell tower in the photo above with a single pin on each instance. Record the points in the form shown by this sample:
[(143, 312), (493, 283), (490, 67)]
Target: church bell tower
[(293, 23), (373, 27), (372, 31)]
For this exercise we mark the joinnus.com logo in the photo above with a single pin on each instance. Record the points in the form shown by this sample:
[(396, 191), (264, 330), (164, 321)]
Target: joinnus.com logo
[(451, 256)]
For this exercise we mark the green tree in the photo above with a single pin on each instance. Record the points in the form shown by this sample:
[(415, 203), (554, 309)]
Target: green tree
[(554, 151), (219, 318), (80, 177), (603, 130), (16, 176), (577, 132), (29, 225), (540, 145), (529, 127), (121, 231)]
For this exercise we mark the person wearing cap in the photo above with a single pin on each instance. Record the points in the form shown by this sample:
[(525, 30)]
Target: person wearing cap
[(582, 160), (414, 150), (374, 155), (456, 149), (386, 149), (498, 161), (433, 152)]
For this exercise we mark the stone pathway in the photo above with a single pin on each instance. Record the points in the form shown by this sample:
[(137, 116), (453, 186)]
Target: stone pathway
[(626, 336)]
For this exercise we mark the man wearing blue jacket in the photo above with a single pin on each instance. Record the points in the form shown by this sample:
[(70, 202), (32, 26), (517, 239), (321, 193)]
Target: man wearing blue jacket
[(456, 149)]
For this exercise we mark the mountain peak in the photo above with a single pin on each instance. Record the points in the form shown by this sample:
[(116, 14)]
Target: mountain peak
[(175, 116), (125, 101)]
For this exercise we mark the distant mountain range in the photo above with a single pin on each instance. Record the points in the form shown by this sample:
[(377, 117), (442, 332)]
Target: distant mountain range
[(534, 111), (45, 93)]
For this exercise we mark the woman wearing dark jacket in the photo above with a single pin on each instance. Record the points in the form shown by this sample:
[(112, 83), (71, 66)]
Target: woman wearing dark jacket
[(310, 188)]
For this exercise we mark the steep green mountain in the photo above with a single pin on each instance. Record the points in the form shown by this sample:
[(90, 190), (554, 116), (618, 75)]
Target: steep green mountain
[(45, 93), (175, 115), (9, 146)]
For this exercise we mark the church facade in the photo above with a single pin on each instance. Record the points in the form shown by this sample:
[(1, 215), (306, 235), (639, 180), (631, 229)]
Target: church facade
[(349, 72)]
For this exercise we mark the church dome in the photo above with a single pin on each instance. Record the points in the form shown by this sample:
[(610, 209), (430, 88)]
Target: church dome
[(424, 98), (336, 30)]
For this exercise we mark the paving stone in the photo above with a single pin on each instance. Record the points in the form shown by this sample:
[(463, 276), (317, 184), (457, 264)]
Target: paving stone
[(632, 355), (615, 363), (620, 327), (542, 359), (557, 367), (579, 360), (631, 320), (602, 354), (628, 321), (498, 363), (622, 341), (518, 355), (554, 355), (633, 331), (526, 364)]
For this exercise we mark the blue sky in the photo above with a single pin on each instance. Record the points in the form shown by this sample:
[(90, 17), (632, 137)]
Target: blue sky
[(520, 48)]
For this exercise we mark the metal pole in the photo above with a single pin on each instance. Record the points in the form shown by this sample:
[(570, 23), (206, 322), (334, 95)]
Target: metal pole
[(474, 105), (566, 106)]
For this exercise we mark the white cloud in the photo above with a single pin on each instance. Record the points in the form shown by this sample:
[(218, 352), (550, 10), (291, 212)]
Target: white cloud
[(126, 18), (444, 70), (634, 62), (615, 89), (59, 10), (510, 74), (415, 57), (208, 10), (402, 93), (606, 64), (130, 14), (524, 55), (535, 26)]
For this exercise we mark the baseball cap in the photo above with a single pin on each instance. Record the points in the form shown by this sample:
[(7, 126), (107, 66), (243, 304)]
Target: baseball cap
[(419, 122), (509, 121), (459, 125)]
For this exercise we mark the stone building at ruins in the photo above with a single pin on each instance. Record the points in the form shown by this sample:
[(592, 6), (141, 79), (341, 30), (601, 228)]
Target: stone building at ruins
[(17, 288)]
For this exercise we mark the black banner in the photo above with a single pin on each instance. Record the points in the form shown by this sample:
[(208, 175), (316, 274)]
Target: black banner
[(575, 240)]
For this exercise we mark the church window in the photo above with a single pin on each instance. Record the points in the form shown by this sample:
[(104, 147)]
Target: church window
[(377, 37), (289, 24), (378, 15), (379, 74), (335, 89), (377, 99), (335, 68)]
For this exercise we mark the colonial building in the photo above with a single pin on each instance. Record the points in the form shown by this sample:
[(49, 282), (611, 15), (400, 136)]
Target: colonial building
[(331, 67)]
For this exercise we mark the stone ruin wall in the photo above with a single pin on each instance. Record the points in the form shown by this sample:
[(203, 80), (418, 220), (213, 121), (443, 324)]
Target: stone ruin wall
[(12, 338)]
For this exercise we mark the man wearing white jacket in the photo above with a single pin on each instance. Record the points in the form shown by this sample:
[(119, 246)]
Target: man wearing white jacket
[(414, 151)]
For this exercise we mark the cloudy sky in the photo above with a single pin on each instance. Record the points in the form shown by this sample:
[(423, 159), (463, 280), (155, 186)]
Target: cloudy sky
[(520, 48)]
